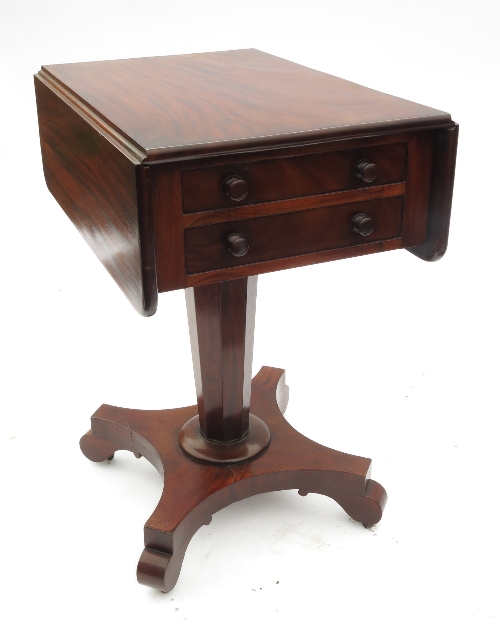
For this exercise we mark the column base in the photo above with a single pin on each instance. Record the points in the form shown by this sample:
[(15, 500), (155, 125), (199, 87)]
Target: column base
[(195, 490), (253, 444)]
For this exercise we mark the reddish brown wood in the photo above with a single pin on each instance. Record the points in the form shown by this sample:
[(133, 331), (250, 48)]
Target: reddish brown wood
[(217, 102), (293, 205), (418, 179), (443, 176), (367, 171), (235, 187), (126, 144), (104, 190), (237, 245), (240, 271), (171, 167), (362, 224), (221, 324), (293, 234), (193, 492), (168, 226), (296, 148), (251, 445), (292, 177)]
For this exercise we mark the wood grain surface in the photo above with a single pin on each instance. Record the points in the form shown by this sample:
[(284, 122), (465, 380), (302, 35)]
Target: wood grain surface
[(137, 152), (104, 191), (186, 105), (193, 492), (292, 177), (293, 234), (441, 195), (221, 326), (280, 264), (293, 205)]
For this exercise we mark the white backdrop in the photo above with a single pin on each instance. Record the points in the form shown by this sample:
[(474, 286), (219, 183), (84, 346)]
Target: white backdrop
[(386, 356)]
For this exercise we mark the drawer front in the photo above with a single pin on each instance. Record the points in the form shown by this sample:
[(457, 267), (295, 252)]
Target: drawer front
[(291, 234), (290, 177)]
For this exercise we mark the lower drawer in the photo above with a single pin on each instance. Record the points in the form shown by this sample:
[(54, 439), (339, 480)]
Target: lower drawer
[(291, 234)]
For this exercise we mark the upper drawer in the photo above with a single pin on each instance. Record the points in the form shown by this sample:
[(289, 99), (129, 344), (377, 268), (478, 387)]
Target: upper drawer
[(206, 189)]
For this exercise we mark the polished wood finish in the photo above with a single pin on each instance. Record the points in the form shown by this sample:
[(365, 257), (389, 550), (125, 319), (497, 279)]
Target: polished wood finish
[(193, 492), (190, 105), (292, 177), (201, 172), (104, 190), (443, 177), (367, 171), (362, 224), (235, 188), (253, 444), (293, 205), (418, 187), (240, 271), (221, 326), (294, 234), (237, 245), (170, 138), (165, 183)]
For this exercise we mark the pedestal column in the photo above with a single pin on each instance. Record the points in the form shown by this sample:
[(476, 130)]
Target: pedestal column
[(221, 325)]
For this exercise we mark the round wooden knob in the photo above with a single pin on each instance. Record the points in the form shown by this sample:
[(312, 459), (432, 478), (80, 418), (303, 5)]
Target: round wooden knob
[(237, 245), (362, 224), (235, 187), (366, 171)]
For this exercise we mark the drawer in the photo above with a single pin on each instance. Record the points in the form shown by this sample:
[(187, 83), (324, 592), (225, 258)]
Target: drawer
[(205, 189), (292, 234)]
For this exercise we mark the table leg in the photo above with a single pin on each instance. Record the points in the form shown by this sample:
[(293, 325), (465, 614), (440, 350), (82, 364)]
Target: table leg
[(198, 483)]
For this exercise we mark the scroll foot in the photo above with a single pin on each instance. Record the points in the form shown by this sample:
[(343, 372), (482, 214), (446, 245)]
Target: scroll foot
[(366, 509), (161, 570), (97, 449)]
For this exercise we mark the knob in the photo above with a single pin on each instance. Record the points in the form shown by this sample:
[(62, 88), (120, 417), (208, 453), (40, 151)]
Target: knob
[(366, 171), (362, 224), (235, 187), (237, 245)]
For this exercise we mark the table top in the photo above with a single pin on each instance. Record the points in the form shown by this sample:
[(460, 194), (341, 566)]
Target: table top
[(197, 104), (188, 170)]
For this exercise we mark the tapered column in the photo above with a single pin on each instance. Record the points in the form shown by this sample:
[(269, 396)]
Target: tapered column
[(221, 324)]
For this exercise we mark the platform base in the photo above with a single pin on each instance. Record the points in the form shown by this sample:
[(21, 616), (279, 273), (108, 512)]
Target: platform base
[(194, 490)]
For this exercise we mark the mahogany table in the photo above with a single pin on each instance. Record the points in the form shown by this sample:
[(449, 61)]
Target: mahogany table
[(201, 172)]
